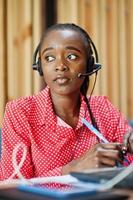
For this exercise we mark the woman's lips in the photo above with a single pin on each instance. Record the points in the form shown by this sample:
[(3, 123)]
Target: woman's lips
[(61, 80)]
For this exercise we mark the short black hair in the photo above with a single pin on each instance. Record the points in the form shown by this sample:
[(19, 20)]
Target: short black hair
[(70, 26)]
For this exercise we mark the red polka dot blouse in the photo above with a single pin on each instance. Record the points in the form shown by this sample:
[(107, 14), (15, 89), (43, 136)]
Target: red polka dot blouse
[(50, 142)]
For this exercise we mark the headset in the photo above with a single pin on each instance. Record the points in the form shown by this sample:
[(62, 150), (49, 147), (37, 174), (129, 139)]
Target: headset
[(93, 65)]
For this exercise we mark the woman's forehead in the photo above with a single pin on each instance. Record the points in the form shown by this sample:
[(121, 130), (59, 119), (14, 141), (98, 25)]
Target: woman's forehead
[(62, 35), (64, 38)]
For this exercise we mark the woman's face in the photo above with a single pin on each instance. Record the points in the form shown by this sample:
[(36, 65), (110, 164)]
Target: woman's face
[(63, 57)]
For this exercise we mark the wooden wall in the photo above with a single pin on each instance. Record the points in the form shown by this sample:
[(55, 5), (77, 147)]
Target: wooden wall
[(110, 25), (20, 23)]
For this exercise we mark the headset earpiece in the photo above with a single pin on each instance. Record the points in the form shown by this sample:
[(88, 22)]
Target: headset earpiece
[(37, 66), (40, 67), (90, 64), (93, 65), (37, 62)]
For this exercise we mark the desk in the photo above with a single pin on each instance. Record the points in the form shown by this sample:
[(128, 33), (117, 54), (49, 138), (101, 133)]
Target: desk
[(14, 194)]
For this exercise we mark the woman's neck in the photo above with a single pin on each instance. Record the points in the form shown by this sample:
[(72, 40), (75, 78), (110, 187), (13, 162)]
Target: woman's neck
[(67, 107)]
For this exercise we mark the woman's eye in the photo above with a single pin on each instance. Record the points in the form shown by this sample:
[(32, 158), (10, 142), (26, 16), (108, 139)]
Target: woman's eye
[(72, 57), (49, 58)]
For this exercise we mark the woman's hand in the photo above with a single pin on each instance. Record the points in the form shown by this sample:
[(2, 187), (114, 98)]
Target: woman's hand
[(101, 155), (128, 141)]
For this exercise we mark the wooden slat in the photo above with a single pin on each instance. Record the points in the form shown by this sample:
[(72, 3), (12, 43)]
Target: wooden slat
[(131, 63), (36, 34), (25, 46), (103, 47), (19, 48), (67, 11), (2, 61), (11, 58), (122, 56), (112, 51), (81, 13)]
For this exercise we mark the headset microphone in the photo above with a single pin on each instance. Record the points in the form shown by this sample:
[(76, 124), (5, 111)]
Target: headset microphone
[(95, 69)]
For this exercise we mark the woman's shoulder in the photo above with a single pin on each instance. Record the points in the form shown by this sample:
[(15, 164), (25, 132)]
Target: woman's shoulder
[(96, 100), (102, 103), (27, 103), (26, 110)]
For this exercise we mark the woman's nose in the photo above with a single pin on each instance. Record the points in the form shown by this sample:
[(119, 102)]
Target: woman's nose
[(61, 65)]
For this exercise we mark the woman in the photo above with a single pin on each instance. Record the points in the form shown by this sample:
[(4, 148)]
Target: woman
[(49, 124)]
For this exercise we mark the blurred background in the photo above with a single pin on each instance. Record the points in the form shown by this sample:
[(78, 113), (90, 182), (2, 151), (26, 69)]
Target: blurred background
[(108, 22)]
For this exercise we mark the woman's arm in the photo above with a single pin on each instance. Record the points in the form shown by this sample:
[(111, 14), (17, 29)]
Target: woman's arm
[(14, 132)]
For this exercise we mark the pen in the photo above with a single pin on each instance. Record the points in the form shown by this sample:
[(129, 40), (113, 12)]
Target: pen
[(98, 134), (94, 130)]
